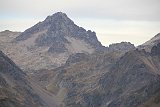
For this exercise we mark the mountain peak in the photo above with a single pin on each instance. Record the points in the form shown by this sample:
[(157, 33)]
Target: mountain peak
[(57, 35), (61, 14), (56, 28), (59, 17)]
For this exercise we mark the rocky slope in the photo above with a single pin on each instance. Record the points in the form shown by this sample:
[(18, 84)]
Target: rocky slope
[(18, 90), (123, 46), (15, 90), (108, 80), (150, 43), (6, 37), (133, 80), (80, 73), (105, 79)]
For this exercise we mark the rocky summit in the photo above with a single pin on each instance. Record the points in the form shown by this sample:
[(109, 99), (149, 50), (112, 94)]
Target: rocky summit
[(58, 29), (49, 43)]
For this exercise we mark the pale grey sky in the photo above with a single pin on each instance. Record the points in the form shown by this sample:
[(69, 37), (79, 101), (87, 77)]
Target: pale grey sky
[(113, 20)]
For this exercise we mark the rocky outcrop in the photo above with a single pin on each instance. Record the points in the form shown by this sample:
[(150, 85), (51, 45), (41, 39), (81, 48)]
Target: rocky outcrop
[(123, 46)]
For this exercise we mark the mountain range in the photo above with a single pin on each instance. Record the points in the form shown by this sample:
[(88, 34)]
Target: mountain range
[(64, 65)]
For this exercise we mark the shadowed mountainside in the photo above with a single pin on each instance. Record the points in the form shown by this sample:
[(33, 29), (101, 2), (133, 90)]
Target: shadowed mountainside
[(17, 89), (108, 80)]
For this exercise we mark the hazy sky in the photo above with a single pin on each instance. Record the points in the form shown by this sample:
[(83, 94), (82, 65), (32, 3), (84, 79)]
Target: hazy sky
[(113, 20)]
